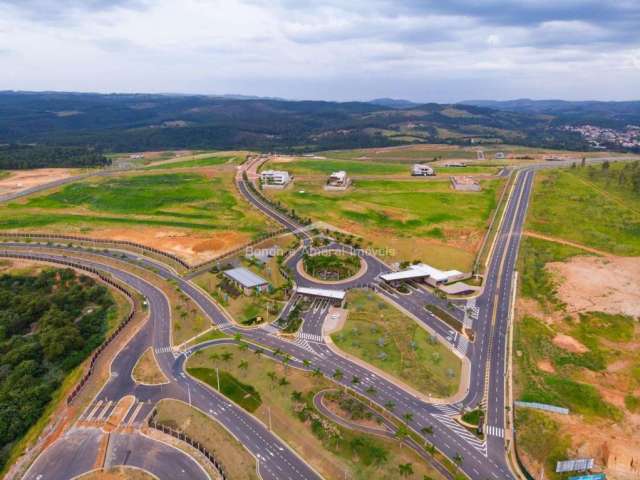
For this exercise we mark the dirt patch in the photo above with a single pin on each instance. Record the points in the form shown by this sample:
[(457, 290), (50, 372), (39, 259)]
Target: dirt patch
[(19, 180), (147, 370), (616, 447), (192, 247), (569, 344), (609, 284), (546, 366)]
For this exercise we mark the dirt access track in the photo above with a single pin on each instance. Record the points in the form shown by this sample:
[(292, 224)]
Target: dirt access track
[(19, 180)]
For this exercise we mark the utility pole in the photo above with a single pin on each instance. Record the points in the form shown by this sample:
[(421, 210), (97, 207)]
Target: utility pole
[(189, 390), (218, 377), (269, 411)]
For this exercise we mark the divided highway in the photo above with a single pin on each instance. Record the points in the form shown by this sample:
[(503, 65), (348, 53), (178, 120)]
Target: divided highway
[(481, 459)]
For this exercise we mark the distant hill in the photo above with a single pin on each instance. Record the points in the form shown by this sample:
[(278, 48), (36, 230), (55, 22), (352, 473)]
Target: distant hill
[(136, 122), (393, 103), (604, 114)]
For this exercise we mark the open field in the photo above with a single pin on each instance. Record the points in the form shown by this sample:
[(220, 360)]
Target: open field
[(423, 220), (577, 335), (607, 214), (199, 161), (388, 339), (288, 392), (237, 461), (185, 213), (18, 180), (430, 152)]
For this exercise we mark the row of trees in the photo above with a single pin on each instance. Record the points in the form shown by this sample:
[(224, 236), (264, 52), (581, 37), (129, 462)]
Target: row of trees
[(49, 323), (22, 157)]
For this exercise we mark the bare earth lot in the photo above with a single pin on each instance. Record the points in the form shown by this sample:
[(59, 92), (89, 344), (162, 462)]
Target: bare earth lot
[(19, 180), (610, 284)]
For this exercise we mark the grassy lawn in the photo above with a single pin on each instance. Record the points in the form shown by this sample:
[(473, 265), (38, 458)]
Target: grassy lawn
[(333, 266), (417, 219), (388, 339), (288, 393), (607, 213), (182, 200), (241, 393), (236, 460)]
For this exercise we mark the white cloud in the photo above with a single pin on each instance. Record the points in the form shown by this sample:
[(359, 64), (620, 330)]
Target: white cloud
[(322, 49)]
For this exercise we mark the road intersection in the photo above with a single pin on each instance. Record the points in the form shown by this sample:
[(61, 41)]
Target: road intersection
[(486, 355)]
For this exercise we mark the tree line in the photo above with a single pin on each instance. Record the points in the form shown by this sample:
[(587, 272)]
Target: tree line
[(22, 157), (49, 323)]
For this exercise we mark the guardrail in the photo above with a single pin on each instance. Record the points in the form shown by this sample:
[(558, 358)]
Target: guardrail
[(94, 358), (543, 406), (185, 438)]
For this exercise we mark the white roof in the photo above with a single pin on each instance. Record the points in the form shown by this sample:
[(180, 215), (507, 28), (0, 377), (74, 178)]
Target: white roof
[(420, 270), (245, 277), (341, 174), (322, 292), (275, 172)]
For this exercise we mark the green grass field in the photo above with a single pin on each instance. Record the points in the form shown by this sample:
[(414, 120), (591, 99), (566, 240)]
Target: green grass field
[(606, 214), (388, 339), (419, 219), (198, 162), (352, 167), (180, 200), (244, 395)]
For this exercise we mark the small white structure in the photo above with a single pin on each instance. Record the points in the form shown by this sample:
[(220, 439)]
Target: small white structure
[(338, 181), (455, 164), (276, 178), (420, 170), (427, 273), (500, 156), (246, 280)]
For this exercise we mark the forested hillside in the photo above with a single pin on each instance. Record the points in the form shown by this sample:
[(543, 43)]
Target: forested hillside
[(19, 157), (49, 323), (153, 122)]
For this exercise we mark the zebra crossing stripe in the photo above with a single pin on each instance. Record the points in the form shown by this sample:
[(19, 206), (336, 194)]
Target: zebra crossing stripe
[(163, 350), (310, 336), (495, 431), (461, 431)]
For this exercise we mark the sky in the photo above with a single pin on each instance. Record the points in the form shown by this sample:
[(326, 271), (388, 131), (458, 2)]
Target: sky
[(421, 50)]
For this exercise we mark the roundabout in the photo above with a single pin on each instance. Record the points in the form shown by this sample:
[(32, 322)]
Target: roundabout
[(331, 267)]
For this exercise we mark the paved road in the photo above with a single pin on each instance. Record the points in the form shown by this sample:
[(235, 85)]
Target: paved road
[(481, 460)]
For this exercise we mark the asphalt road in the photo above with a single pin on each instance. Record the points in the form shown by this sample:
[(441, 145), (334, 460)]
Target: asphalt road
[(480, 459)]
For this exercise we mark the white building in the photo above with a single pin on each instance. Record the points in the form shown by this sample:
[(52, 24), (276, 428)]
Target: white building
[(420, 170), (427, 273), (275, 177), (338, 181), (500, 156), (246, 280)]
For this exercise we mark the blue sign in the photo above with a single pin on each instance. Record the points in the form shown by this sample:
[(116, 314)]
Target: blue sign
[(595, 476)]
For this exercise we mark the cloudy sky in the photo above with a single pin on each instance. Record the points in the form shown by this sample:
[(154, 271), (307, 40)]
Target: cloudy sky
[(422, 50)]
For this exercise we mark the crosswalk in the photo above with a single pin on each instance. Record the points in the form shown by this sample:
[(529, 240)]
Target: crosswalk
[(461, 431), (310, 336), (304, 344), (102, 411), (494, 431), (164, 350), (462, 345)]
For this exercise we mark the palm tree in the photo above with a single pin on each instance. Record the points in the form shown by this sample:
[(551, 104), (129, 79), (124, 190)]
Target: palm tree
[(285, 361), (277, 351), (405, 469), (355, 380), (237, 337), (244, 346), (258, 351), (371, 390), (272, 376), (458, 459), (306, 362), (337, 374), (428, 430), (390, 405), (243, 365), (408, 416), (317, 372), (283, 382), (296, 396), (402, 432), (226, 356)]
